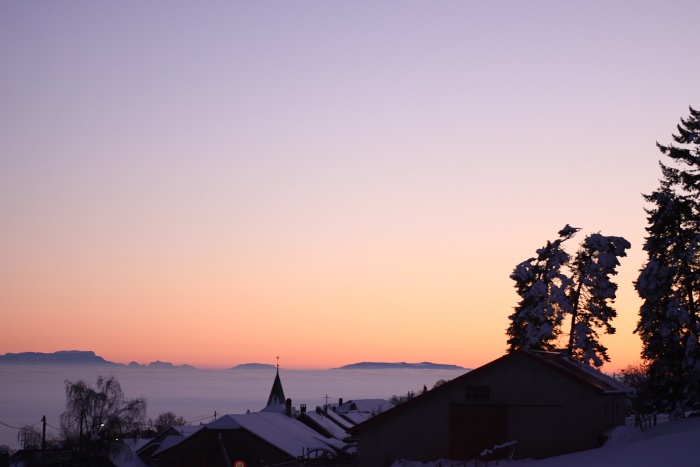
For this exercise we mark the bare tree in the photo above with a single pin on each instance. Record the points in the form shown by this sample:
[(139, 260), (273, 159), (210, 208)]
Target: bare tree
[(97, 418), (165, 420), (30, 437)]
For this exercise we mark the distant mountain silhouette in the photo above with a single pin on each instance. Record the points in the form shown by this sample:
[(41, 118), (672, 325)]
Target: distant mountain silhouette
[(74, 357), (399, 365), (62, 357), (253, 366), (88, 358)]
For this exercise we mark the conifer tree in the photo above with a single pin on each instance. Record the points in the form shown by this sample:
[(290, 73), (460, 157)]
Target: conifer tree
[(669, 281), (536, 321), (554, 288), (591, 294)]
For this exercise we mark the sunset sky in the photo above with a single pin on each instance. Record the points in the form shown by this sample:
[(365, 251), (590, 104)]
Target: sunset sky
[(216, 183)]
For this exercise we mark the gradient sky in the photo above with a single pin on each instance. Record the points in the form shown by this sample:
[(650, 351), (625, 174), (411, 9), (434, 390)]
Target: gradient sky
[(216, 183)]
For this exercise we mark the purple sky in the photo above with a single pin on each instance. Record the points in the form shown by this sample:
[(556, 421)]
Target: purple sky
[(202, 182)]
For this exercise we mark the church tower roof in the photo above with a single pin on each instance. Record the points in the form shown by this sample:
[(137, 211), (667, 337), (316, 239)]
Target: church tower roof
[(276, 401)]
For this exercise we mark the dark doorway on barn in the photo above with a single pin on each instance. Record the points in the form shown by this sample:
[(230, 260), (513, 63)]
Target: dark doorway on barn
[(474, 428)]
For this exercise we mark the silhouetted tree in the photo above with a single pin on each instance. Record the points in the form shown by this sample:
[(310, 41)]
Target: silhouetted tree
[(98, 418), (591, 294), (440, 382), (669, 281), (553, 288), (30, 437), (536, 321), (165, 420), (396, 400), (637, 377)]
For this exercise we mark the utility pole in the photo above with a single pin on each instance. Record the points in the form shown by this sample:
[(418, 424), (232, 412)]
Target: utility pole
[(43, 434)]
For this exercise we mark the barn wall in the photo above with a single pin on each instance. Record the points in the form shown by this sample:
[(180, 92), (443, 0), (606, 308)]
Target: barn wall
[(515, 398), (419, 432)]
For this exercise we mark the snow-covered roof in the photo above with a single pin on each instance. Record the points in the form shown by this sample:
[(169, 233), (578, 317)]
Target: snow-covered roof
[(359, 410), (326, 423), (168, 442), (343, 422), (274, 407), (187, 430), (169, 438), (128, 457), (365, 405), (603, 383), (285, 433)]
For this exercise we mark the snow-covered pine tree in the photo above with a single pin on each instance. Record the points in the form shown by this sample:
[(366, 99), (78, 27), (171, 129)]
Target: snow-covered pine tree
[(536, 320), (669, 281), (552, 287), (591, 294)]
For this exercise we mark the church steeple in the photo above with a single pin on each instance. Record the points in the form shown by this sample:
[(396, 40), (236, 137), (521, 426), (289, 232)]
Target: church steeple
[(276, 401)]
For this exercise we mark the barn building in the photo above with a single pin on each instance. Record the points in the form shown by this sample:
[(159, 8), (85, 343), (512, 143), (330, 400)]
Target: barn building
[(540, 404)]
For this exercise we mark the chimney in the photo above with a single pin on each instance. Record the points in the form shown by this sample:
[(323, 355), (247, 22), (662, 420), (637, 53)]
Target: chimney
[(302, 408), (288, 408), (340, 401)]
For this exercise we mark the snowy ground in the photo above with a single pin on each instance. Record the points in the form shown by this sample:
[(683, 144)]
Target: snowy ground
[(669, 443)]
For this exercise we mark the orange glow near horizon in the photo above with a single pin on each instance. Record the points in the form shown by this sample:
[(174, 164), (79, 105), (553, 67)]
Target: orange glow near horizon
[(382, 317), (332, 184)]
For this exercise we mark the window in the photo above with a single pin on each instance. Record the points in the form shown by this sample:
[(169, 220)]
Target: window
[(472, 392)]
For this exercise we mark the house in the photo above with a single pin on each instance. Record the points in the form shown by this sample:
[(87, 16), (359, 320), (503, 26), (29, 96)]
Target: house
[(334, 420), (166, 439), (341, 420), (257, 438), (320, 421), (545, 403), (268, 437), (358, 411)]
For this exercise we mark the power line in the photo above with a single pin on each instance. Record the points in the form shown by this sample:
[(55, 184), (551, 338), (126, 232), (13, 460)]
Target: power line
[(10, 426), (26, 426), (199, 419)]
